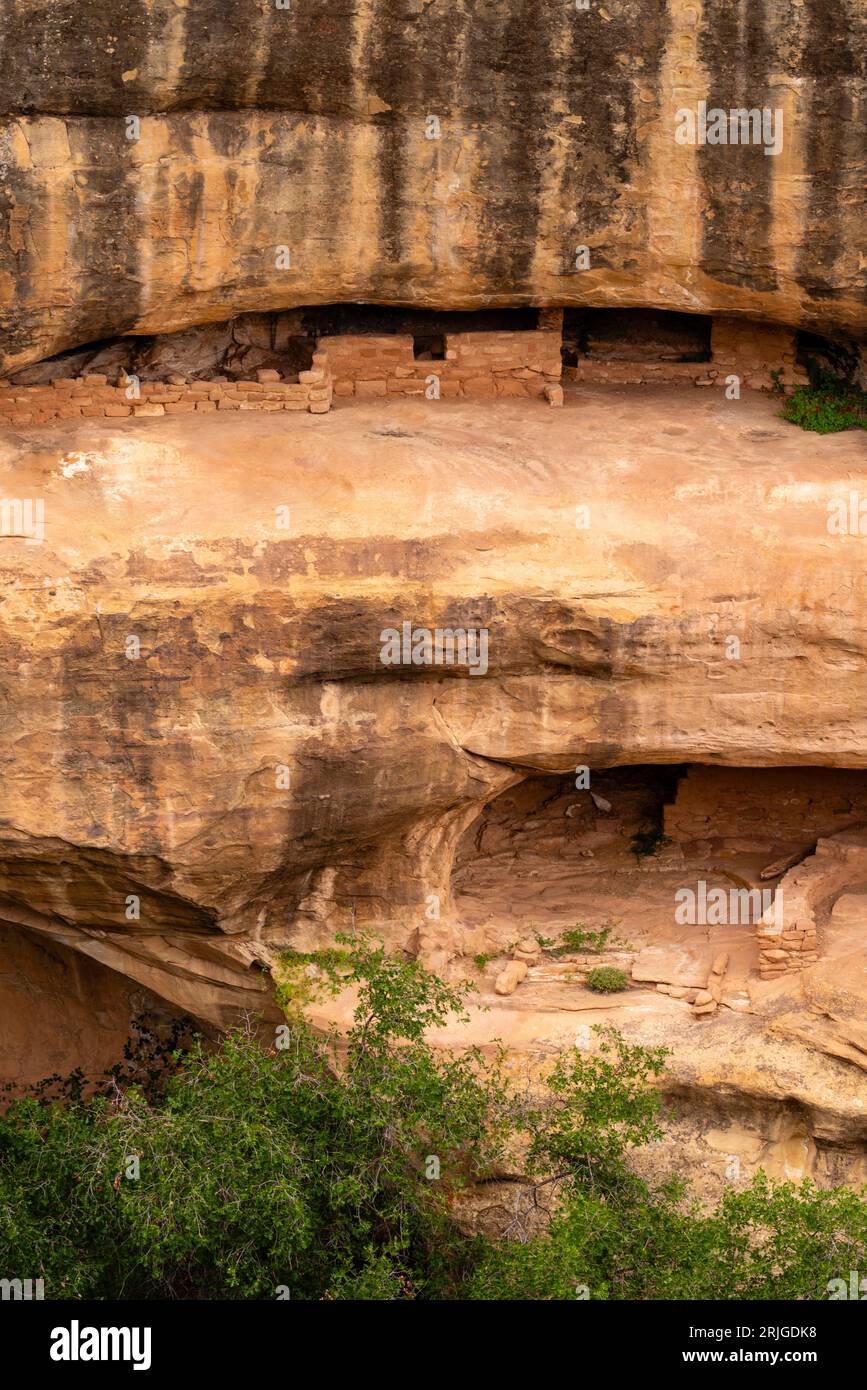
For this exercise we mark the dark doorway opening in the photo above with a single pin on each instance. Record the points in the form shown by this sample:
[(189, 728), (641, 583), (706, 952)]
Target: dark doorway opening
[(635, 335), (821, 357), (429, 347)]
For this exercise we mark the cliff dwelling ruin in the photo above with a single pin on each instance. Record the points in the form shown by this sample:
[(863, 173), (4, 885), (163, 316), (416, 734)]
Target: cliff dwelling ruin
[(425, 316), (305, 358)]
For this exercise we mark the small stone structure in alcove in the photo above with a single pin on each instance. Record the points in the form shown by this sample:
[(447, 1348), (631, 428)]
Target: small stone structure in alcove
[(781, 845), (808, 821), (485, 354), (299, 359), (645, 346)]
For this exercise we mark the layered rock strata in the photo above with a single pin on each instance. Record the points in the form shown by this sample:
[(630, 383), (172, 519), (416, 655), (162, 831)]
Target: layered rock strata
[(186, 163), (199, 715)]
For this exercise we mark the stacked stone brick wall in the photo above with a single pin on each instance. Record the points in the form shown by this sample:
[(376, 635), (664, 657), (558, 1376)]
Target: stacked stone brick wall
[(593, 372), (788, 805), (739, 347), (521, 364), (92, 397), (807, 892), (782, 811), (753, 350)]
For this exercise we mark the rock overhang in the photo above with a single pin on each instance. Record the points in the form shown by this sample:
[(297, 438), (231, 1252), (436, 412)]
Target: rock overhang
[(554, 132)]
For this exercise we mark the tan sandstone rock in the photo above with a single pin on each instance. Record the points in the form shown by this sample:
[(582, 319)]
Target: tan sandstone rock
[(198, 715), (510, 977), (563, 137)]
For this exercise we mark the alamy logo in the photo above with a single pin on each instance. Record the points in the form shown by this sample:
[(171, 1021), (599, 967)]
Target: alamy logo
[(716, 907), (847, 516), (738, 126), (77, 1343), (855, 1289), (23, 518), (444, 646), (27, 1289)]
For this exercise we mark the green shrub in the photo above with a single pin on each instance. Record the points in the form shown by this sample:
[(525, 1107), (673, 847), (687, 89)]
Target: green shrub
[(828, 406), (606, 979), (309, 1165), (581, 938), (304, 1166), (770, 1241), (776, 388), (302, 975)]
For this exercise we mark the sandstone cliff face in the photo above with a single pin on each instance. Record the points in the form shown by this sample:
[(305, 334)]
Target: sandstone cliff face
[(308, 129), (62, 1010), (197, 712), (205, 758)]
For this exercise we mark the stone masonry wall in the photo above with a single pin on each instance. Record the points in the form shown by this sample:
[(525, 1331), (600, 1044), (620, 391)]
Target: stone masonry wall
[(523, 364), (807, 892), (753, 351), (788, 805), (782, 810), (739, 347), (92, 397)]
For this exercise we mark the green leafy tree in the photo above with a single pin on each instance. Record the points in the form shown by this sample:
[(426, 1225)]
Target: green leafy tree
[(304, 1167), (334, 1167)]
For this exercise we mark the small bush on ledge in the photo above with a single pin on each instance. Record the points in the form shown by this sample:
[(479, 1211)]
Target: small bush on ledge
[(828, 406), (580, 938), (606, 979)]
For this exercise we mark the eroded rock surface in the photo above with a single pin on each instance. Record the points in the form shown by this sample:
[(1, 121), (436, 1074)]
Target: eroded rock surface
[(196, 711), (205, 759), (309, 129)]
